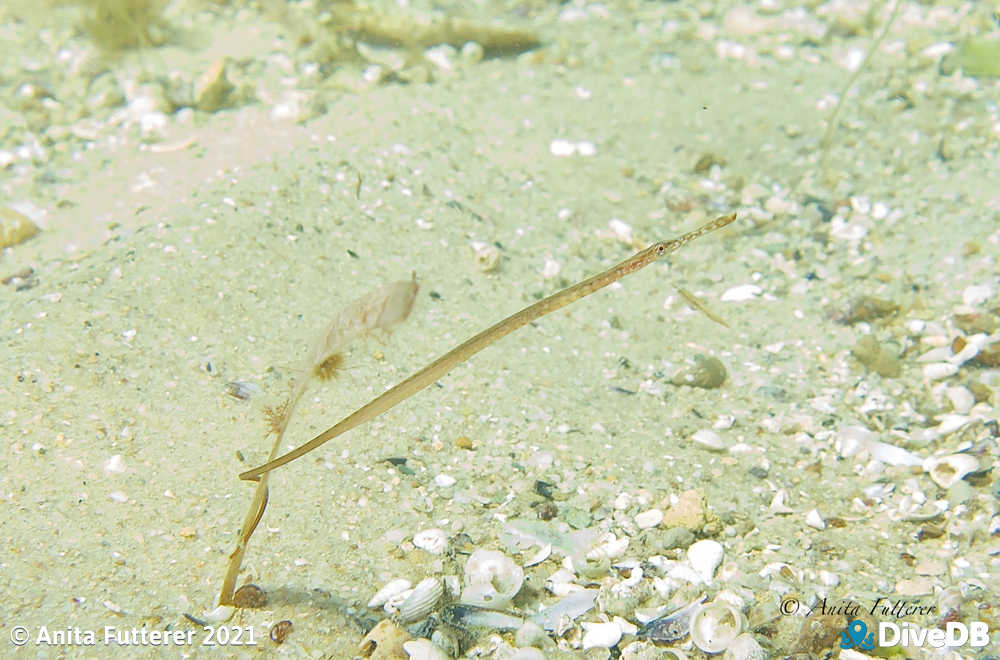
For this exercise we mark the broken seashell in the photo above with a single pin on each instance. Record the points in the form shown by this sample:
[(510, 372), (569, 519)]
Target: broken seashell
[(600, 635), (392, 589), (492, 579), (433, 540), (423, 649), (704, 557), (946, 471), (716, 625), (745, 647)]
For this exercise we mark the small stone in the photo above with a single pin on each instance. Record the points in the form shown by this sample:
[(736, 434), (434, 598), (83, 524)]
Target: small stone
[(688, 512), (915, 587), (212, 89), (708, 439), (707, 372), (873, 355), (15, 227), (932, 568)]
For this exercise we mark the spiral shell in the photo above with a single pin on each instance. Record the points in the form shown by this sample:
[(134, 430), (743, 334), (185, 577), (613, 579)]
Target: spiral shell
[(422, 601)]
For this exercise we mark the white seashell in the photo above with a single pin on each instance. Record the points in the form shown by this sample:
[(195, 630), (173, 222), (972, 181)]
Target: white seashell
[(648, 519), (745, 647), (939, 370), (962, 399), (814, 520), (892, 455), (219, 614), (422, 601), (444, 480), (527, 653), (612, 548), (708, 439), (829, 579), (492, 579), (115, 464), (544, 551), (392, 589), (433, 541), (950, 423), (973, 346), (715, 626), (487, 256), (977, 294), (741, 293), (946, 471), (704, 557), (423, 649), (600, 635), (550, 269), (778, 503)]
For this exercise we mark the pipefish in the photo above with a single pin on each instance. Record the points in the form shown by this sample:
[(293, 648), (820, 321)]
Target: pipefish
[(494, 333)]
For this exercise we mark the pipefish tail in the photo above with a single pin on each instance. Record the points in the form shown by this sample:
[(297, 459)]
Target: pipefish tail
[(470, 347)]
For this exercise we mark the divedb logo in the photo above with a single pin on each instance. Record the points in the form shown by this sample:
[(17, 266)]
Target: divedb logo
[(856, 635)]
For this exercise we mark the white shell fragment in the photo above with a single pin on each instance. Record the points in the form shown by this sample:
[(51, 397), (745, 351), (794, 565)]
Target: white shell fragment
[(423, 649), (220, 614), (433, 540), (741, 293), (600, 635), (814, 520), (939, 370), (716, 625), (745, 647), (946, 471), (704, 557), (708, 439), (422, 601), (648, 519), (492, 579), (115, 464)]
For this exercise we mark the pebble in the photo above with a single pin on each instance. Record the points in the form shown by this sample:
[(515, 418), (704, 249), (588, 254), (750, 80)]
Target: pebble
[(708, 439), (15, 227)]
